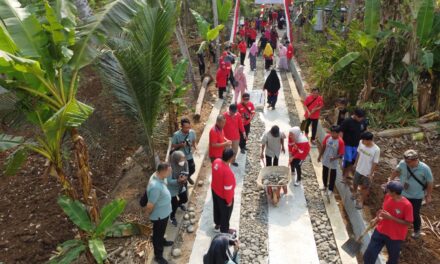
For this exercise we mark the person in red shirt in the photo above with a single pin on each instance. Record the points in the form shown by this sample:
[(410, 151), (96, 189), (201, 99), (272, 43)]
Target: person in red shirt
[(247, 111), (313, 105), (393, 221), (242, 47), (217, 140), (221, 79), (242, 32), (233, 128), (299, 148), (274, 17), (252, 36), (223, 187)]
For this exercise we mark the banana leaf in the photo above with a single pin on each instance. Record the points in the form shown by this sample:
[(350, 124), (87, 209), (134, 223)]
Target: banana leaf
[(372, 16), (425, 19)]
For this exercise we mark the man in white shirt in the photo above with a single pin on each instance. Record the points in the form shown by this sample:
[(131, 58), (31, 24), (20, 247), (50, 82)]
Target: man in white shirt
[(365, 166)]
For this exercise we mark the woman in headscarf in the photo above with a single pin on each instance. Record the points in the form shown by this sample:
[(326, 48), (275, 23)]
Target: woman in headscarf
[(219, 252), (268, 56), (241, 82), (253, 52), (272, 85), (282, 53), (221, 79), (299, 148), (176, 183)]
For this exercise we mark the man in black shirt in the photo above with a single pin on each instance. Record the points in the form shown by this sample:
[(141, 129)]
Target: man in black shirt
[(351, 129)]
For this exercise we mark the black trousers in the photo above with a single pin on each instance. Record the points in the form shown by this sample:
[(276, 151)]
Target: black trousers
[(222, 213), (159, 227), (247, 129), (221, 90), (296, 165), (417, 204), (325, 174), (270, 159), (201, 64), (314, 127), (242, 57), (231, 78), (268, 63), (177, 201), (191, 167)]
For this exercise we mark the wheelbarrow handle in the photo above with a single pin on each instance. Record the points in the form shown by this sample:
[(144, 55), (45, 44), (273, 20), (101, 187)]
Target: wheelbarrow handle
[(369, 227)]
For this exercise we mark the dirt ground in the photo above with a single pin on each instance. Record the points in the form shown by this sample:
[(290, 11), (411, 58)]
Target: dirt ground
[(31, 222)]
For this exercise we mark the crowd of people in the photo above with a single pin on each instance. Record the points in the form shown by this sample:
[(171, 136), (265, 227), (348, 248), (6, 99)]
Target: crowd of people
[(348, 144)]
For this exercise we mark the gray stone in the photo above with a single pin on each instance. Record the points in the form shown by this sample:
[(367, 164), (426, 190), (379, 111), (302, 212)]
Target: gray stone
[(192, 221), (200, 183), (192, 215), (247, 252), (191, 209), (186, 217), (177, 252), (190, 229)]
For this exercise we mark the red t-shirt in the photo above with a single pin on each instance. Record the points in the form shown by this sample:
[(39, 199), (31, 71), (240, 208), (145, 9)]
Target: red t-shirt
[(223, 180), (233, 126), (242, 47), (274, 15), (290, 51), (242, 33), (221, 78), (310, 104), (253, 34), (249, 112), (299, 150), (341, 144), (401, 209), (216, 136)]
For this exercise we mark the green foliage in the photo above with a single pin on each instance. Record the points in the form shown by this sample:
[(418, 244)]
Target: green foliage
[(77, 213), (67, 252), (372, 16), (15, 161), (425, 19), (345, 61), (9, 141), (224, 9), (97, 248), (204, 27)]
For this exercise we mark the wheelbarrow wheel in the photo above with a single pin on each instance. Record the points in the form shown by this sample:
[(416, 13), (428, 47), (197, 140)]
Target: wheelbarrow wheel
[(275, 198)]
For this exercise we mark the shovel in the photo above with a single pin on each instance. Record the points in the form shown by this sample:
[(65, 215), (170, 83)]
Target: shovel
[(353, 246)]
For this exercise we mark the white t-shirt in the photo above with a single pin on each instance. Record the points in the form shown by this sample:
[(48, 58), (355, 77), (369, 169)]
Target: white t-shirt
[(367, 156)]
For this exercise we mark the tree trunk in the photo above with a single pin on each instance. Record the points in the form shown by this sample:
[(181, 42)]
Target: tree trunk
[(85, 175), (215, 17), (424, 98), (84, 10), (185, 53), (351, 11), (65, 183)]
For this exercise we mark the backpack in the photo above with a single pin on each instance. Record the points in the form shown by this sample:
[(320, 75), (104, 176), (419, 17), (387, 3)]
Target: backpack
[(144, 199)]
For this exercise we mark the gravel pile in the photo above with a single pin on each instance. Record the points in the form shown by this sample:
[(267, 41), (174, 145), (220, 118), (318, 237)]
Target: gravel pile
[(324, 238), (275, 179)]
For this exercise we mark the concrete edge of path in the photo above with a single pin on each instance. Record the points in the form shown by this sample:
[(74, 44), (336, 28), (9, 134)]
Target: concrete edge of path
[(199, 156), (355, 216)]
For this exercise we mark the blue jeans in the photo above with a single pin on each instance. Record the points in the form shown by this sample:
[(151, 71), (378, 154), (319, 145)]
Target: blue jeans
[(377, 242), (272, 100)]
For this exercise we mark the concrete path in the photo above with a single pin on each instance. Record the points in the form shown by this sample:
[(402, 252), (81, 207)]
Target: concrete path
[(291, 237), (205, 231)]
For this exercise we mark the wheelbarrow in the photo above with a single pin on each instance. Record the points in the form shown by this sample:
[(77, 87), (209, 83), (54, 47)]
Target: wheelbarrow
[(273, 191)]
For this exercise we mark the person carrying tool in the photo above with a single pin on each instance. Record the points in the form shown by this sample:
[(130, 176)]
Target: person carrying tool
[(331, 152), (312, 106), (393, 221), (272, 144), (417, 180)]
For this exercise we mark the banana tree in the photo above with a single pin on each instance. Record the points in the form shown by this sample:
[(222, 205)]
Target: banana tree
[(138, 68), (224, 9), (207, 33), (41, 55), (173, 96), (95, 233)]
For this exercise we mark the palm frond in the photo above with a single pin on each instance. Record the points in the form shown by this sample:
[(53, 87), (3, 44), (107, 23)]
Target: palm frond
[(8, 141), (145, 65)]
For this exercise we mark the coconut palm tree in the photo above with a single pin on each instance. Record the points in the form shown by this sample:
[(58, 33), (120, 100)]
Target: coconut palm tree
[(139, 64)]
